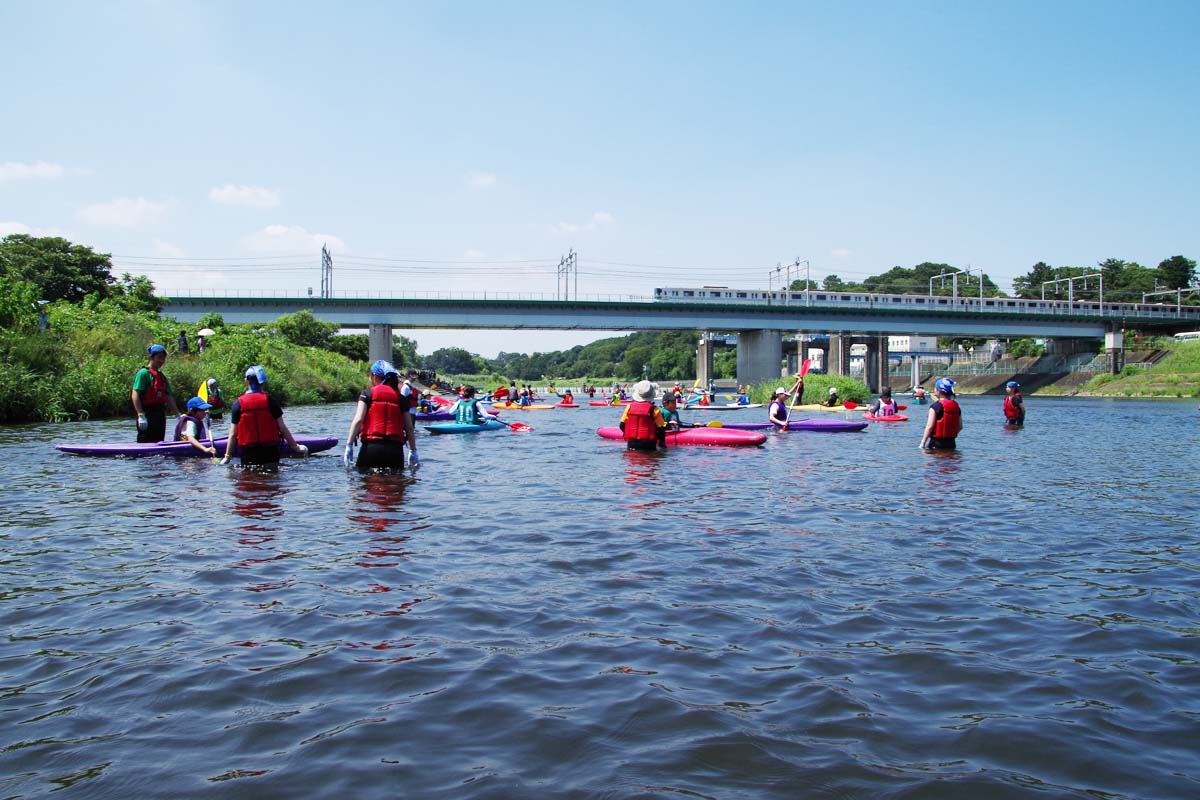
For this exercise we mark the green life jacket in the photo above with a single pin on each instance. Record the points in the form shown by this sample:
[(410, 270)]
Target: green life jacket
[(467, 413)]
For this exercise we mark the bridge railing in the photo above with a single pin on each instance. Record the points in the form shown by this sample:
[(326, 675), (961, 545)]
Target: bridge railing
[(296, 294)]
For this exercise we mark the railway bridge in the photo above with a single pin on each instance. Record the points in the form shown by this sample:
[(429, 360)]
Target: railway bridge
[(760, 325)]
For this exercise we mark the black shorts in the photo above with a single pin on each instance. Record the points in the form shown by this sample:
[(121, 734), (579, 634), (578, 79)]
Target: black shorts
[(381, 455), (642, 444), (259, 454), (936, 443)]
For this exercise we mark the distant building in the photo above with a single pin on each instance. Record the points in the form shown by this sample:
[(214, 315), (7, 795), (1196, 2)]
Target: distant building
[(911, 344)]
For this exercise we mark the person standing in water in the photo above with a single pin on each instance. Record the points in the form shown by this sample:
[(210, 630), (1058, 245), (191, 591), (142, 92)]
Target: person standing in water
[(384, 422), (944, 422), (1014, 406), (256, 424), (151, 397)]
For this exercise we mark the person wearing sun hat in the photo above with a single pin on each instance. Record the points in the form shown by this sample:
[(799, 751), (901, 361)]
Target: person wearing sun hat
[(151, 397), (190, 426), (944, 422), (777, 413), (1014, 406), (642, 422), (256, 424), (383, 420)]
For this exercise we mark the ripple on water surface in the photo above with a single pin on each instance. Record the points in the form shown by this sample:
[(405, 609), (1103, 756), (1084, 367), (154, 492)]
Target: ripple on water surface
[(548, 614)]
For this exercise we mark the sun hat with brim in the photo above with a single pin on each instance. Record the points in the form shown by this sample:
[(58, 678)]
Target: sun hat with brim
[(195, 403), (781, 390), (258, 373), (644, 391)]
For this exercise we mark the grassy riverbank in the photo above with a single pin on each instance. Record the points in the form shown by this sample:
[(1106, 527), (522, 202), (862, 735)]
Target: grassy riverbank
[(1177, 375), (83, 366)]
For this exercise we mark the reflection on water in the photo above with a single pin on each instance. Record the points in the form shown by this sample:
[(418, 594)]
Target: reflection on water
[(553, 615)]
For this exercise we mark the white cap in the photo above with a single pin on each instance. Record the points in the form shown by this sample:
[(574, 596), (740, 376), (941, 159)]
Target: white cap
[(833, 390), (781, 390)]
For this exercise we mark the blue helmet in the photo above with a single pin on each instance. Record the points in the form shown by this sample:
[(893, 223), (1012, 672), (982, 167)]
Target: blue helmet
[(945, 385), (1013, 385), (155, 348), (257, 373)]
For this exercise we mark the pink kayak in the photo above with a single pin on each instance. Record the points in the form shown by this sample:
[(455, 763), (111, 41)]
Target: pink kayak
[(729, 437), (885, 417)]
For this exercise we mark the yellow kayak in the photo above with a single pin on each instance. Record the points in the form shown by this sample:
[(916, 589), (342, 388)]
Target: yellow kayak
[(819, 407), (515, 407)]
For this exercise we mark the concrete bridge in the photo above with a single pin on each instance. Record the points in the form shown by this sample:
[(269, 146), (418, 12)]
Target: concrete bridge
[(760, 327)]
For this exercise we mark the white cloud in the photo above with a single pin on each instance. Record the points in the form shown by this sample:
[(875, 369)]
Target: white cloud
[(9, 228), (245, 196), (167, 250), (38, 170), (840, 252), (481, 180), (124, 212), (286, 239), (599, 219)]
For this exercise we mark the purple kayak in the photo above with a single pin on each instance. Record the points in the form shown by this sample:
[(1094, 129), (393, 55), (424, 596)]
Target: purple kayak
[(315, 444), (821, 425)]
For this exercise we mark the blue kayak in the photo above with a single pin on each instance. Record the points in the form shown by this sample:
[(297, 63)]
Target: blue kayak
[(459, 427)]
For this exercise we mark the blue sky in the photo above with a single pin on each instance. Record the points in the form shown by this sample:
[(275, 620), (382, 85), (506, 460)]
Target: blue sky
[(467, 147)]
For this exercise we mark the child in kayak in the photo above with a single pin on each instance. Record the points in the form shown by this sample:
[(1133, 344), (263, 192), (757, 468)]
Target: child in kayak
[(190, 426), (884, 405)]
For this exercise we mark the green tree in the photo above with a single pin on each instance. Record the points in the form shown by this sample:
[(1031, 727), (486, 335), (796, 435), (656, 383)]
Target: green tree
[(1177, 272), (136, 294), (211, 320), (354, 346), (304, 329), (61, 270), (404, 352), (1029, 285), (833, 283), (18, 304), (454, 361)]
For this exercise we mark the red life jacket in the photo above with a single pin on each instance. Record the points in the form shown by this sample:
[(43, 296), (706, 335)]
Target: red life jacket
[(950, 423), (1011, 409), (256, 426), (156, 395), (384, 420), (639, 423)]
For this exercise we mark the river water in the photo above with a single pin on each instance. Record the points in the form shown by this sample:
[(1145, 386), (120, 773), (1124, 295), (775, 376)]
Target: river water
[(548, 615)]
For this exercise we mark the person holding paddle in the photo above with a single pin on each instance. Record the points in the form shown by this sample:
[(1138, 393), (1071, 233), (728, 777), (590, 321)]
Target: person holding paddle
[(670, 413), (778, 412), (383, 421), (884, 405), (190, 426)]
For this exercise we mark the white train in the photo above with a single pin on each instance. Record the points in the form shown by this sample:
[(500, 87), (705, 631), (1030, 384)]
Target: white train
[(865, 300)]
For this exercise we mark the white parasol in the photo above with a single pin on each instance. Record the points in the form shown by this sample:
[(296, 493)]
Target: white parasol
[(206, 332)]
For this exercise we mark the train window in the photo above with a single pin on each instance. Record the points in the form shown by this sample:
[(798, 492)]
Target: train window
[(897, 299), (942, 301), (686, 293), (1011, 304), (989, 303), (742, 295), (919, 300), (845, 298)]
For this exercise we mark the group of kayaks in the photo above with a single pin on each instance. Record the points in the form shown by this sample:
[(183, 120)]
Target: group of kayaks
[(732, 434)]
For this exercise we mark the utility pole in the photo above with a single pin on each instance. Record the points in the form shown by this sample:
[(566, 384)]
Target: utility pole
[(566, 265), (326, 272)]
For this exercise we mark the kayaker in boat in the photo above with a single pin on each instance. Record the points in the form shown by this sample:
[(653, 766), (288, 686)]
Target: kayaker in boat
[(568, 399), (670, 413), (425, 403), (190, 427), (642, 422), (918, 395), (466, 409), (256, 424), (884, 405), (211, 393), (525, 398), (383, 422), (833, 399), (1014, 406), (778, 412), (945, 418), (151, 397)]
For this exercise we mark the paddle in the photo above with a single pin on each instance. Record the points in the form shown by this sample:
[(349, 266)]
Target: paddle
[(516, 426), (901, 408)]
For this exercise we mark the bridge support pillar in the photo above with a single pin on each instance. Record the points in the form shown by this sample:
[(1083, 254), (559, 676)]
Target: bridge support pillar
[(379, 342), (704, 360), (839, 355), (877, 362), (759, 356), (1114, 345)]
